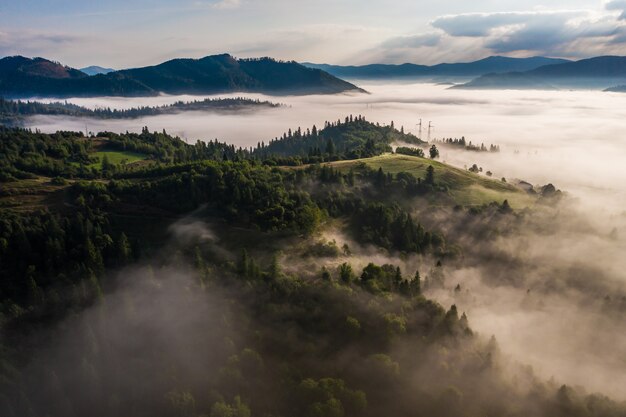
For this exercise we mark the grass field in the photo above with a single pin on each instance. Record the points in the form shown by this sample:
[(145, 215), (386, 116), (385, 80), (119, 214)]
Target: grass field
[(117, 157), (464, 187)]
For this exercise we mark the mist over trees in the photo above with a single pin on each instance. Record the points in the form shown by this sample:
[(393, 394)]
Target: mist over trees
[(194, 281)]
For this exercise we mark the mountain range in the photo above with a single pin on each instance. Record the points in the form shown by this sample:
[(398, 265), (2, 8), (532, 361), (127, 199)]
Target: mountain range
[(493, 64), (25, 77), (600, 72), (22, 77)]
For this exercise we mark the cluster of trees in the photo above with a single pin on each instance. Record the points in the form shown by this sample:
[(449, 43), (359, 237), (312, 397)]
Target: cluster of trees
[(24, 153), (242, 192), (468, 145), (405, 150), (352, 138), (16, 109), (392, 227), (51, 261), (165, 148)]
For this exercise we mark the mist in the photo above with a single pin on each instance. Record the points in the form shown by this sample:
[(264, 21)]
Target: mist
[(540, 314), (577, 131)]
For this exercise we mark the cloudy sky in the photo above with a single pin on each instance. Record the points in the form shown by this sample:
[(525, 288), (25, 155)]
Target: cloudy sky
[(129, 33)]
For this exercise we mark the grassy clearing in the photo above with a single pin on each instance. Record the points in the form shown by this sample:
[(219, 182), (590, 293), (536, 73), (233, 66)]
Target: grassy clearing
[(117, 157), (465, 188)]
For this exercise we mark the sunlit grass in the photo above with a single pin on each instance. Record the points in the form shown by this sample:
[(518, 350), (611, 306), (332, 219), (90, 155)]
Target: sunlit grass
[(465, 188)]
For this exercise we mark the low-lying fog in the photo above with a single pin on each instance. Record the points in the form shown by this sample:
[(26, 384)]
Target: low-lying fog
[(573, 139)]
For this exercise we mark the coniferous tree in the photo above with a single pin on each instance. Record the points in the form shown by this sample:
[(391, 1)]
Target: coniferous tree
[(430, 175)]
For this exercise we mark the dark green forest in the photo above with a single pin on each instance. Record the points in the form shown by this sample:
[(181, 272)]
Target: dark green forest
[(197, 282)]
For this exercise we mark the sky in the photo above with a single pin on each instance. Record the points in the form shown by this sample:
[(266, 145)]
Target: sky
[(130, 33)]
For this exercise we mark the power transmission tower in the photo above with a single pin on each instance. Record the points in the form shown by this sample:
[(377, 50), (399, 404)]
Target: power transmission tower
[(419, 136)]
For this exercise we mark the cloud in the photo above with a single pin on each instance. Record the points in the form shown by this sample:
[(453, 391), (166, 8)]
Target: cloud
[(550, 33), (478, 24), (619, 5), (561, 33), (31, 43)]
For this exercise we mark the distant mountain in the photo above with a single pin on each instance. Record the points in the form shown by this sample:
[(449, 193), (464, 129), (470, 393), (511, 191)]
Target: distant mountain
[(599, 72), (493, 64), (95, 70), (23, 77)]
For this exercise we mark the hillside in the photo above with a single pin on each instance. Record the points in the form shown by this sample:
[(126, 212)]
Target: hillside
[(22, 77), (493, 64), (462, 187), (599, 72)]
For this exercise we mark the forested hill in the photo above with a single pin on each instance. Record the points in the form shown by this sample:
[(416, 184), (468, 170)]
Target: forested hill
[(23, 77), (351, 138)]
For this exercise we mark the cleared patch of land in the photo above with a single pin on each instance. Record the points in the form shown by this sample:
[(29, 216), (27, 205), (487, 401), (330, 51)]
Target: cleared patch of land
[(32, 194), (464, 187)]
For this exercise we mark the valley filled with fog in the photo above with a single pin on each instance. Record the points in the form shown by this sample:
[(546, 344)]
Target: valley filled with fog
[(576, 131), (556, 320)]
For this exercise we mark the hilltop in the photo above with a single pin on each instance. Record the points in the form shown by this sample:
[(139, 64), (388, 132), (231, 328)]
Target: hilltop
[(23, 77), (353, 137), (460, 187)]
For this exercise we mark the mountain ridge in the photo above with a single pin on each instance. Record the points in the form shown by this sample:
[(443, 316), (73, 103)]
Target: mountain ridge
[(474, 68), (598, 72), (25, 77)]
